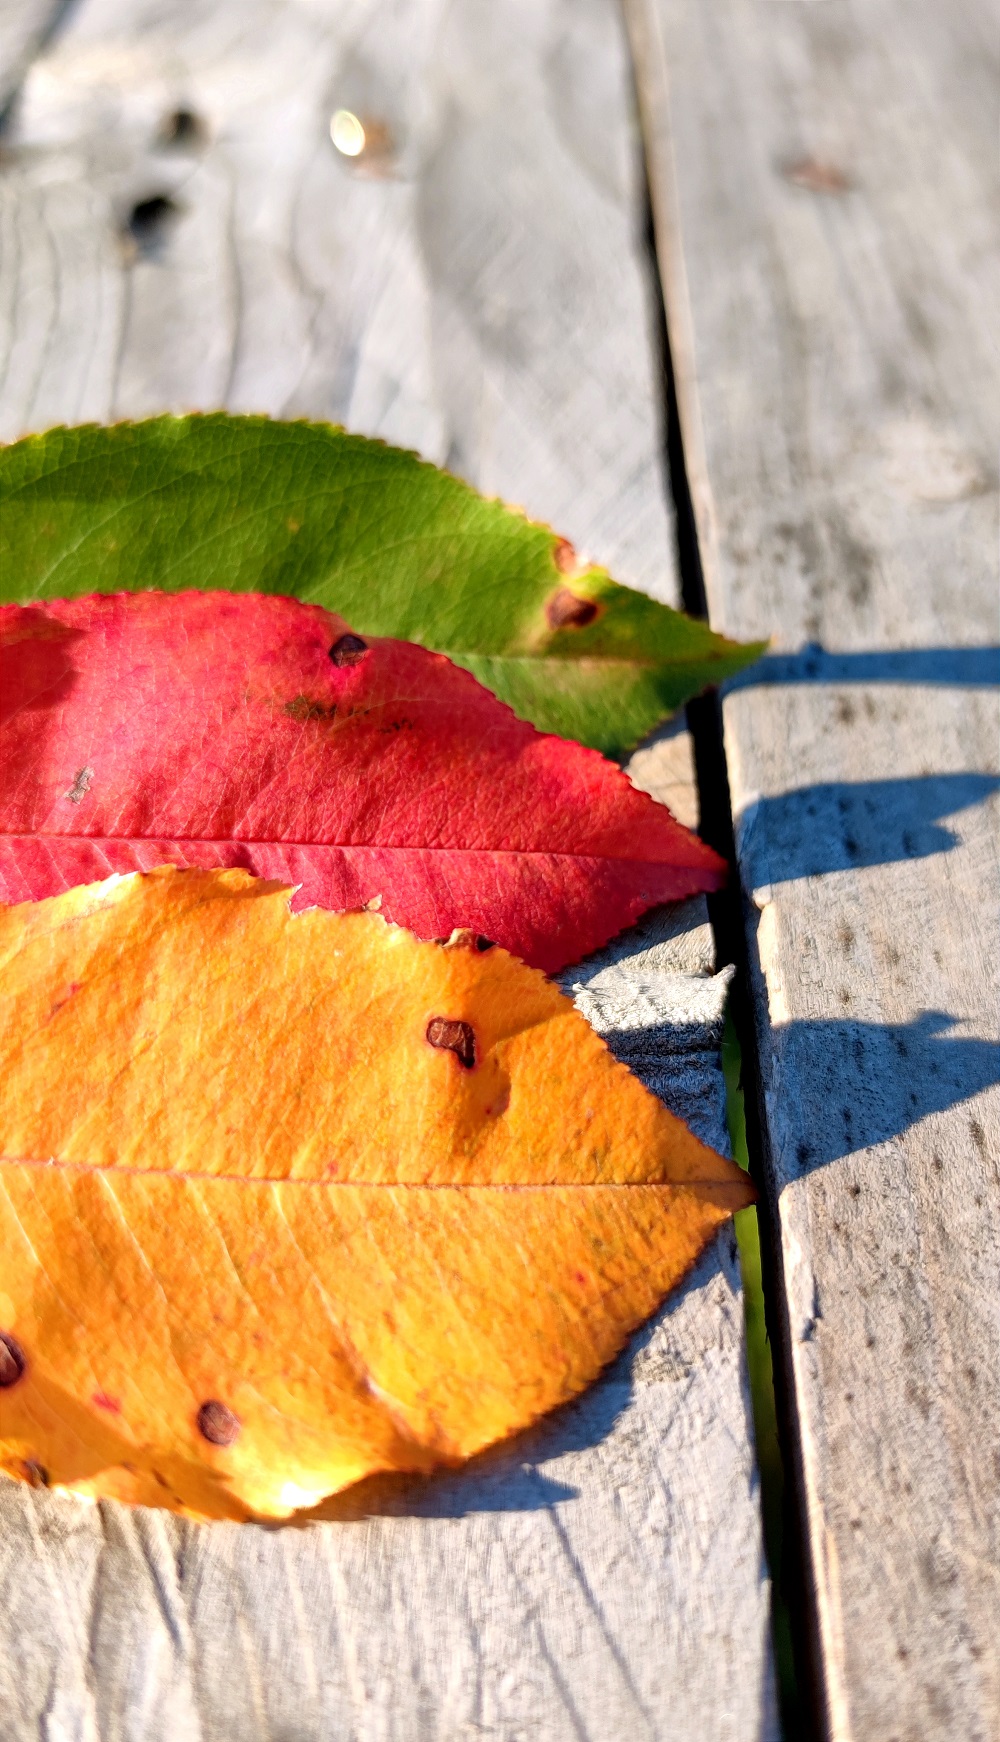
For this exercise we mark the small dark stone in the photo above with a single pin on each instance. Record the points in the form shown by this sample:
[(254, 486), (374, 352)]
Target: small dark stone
[(456, 1037), (349, 650), (217, 1423), (12, 1361), (566, 610)]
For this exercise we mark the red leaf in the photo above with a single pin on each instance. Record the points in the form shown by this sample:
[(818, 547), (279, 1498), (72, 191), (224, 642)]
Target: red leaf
[(219, 729)]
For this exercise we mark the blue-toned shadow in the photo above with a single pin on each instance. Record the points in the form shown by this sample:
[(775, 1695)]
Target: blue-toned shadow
[(873, 1081), (959, 667), (837, 825)]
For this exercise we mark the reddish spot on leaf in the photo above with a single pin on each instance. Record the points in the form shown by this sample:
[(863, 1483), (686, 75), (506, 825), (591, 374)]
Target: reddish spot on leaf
[(349, 650), (566, 610), (103, 1401), (456, 1037), (564, 557), (12, 1361), (217, 1423)]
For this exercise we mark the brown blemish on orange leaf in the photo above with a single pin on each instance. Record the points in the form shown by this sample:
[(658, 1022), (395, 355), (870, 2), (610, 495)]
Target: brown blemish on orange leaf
[(456, 1037), (566, 610), (12, 1361), (217, 1423)]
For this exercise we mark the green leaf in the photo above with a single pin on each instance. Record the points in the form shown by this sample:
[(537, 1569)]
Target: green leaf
[(396, 546)]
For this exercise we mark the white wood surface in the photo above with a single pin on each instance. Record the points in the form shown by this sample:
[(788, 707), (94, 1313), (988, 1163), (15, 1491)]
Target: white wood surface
[(825, 186), (477, 290)]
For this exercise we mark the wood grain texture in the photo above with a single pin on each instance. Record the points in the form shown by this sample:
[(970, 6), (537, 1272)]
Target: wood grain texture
[(825, 185), (475, 289)]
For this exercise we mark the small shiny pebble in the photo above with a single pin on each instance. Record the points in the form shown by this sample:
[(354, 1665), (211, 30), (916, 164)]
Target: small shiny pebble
[(12, 1361), (217, 1423), (456, 1037), (349, 650)]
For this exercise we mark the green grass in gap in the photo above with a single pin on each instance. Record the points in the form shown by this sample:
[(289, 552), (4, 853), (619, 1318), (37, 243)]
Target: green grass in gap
[(772, 1481)]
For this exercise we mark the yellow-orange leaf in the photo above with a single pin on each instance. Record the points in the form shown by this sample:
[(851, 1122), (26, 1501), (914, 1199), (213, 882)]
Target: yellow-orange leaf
[(287, 1200)]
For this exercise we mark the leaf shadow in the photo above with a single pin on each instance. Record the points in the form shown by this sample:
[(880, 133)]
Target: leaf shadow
[(876, 1081), (37, 669), (840, 825), (958, 667)]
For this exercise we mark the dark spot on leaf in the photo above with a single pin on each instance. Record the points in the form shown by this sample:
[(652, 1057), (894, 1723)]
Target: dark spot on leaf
[(456, 1037), (184, 129), (304, 708), (566, 610), (349, 650), (103, 1401), (484, 944), (217, 1423), (35, 1474), (817, 177), (12, 1361), (564, 557), (81, 784)]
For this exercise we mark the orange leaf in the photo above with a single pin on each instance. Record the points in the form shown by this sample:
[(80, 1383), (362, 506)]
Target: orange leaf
[(287, 1200)]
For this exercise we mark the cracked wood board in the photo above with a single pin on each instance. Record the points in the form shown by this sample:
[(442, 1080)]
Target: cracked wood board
[(480, 295), (825, 191)]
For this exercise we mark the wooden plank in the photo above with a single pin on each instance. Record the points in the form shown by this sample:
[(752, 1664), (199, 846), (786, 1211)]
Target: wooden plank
[(24, 26), (825, 187), (476, 290)]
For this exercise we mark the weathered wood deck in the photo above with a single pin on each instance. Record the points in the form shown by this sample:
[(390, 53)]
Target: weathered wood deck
[(824, 189), (825, 182)]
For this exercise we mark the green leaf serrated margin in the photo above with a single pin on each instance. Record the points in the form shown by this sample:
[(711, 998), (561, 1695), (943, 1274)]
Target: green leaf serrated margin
[(394, 545)]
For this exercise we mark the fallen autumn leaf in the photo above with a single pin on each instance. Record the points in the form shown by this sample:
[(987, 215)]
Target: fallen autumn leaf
[(395, 545), (220, 729), (286, 1200)]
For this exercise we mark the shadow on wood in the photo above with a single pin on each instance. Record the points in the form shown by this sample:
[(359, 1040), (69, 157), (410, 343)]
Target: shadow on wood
[(876, 1081), (958, 667), (840, 825)]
